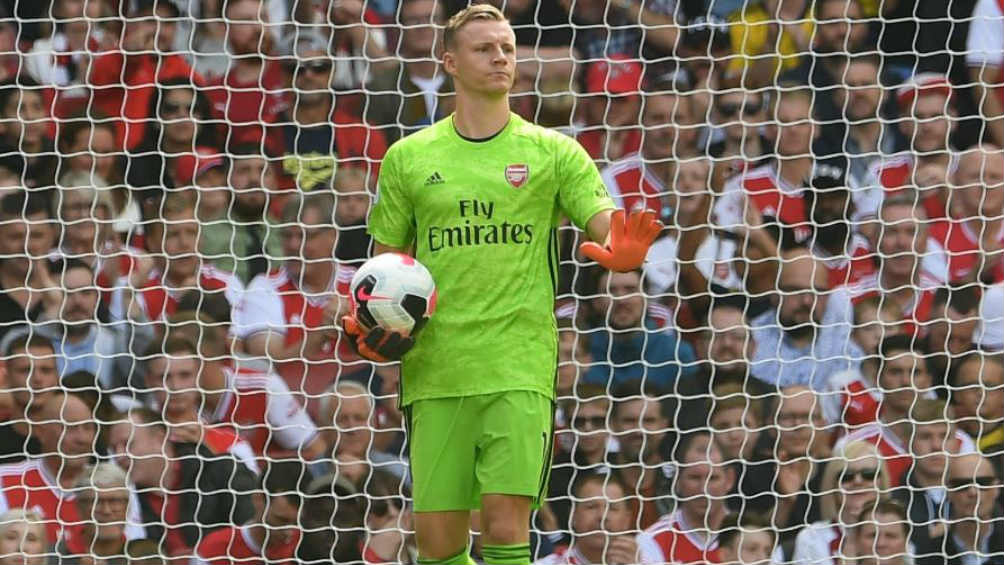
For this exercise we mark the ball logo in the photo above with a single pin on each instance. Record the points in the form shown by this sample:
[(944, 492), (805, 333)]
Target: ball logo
[(517, 175)]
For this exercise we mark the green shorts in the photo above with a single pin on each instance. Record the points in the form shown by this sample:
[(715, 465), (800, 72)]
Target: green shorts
[(467, 446)]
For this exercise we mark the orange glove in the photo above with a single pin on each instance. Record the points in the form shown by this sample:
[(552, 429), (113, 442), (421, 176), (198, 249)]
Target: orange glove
[(376, 344), (629, 241)]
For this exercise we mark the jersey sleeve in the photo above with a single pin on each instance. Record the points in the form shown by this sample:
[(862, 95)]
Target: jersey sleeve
[(260, 310), (581, 192), (290, 425), (392, 220)]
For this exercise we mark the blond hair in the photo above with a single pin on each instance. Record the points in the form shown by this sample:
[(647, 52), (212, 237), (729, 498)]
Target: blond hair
[(829, 502), (477, 12), (100, 477), (21, 515)]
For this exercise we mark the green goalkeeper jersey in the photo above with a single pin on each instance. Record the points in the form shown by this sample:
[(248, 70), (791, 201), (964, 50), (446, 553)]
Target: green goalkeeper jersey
[(483, 217)]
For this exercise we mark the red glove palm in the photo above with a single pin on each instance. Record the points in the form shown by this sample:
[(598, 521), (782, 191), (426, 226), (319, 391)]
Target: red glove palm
[(629, 241)]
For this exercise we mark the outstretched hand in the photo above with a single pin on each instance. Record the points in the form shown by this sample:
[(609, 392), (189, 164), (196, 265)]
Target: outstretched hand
[(376, 344), (628, 242)]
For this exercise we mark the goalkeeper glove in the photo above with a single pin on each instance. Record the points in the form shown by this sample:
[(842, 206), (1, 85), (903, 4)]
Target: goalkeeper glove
[(376, 344), (629, 241)]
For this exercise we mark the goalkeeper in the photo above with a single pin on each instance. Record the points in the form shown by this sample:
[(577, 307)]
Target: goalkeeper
[(477, 198)]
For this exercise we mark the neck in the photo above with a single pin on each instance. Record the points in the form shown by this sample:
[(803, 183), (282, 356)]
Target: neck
[(257, 533), (704, 524), (104, 547), (172, 146), (592, 551), (478, 117), (314, 113), (795, 170), (422, 69), (75, 333), (65, 471), (969, 532), (925, 479), (317, 276), (866, 134), (662, 169)]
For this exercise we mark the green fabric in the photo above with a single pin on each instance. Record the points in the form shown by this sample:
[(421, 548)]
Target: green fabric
[(462, 558), (518, 554), (466, 446), (229, 249), (490, 242)]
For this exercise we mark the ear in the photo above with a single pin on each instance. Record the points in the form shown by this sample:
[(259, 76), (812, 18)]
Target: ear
[(449, 63)]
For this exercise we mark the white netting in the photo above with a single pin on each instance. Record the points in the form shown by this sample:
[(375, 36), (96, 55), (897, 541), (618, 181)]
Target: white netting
[(808, 369)]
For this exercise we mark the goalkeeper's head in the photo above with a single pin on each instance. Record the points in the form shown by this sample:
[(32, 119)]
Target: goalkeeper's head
[(480, 52)]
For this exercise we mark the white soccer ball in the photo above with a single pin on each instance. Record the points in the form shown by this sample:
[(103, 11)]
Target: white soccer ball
[(395, 292)]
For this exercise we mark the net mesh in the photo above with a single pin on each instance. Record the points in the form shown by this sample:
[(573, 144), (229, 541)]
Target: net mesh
[(807, 368)]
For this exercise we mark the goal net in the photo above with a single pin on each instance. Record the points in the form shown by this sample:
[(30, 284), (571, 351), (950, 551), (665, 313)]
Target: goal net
[(808, 368)]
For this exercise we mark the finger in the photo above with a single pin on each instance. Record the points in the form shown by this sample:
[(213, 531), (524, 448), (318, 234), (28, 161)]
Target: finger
[(617, 224), (369, 353), (350, 325), (374, 338), (595, 252), (635, 221)]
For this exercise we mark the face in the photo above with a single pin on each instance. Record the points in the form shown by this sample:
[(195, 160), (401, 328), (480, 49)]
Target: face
[(834, 34), (620, 300), (418, 36), (67, 427), (244, 29), (32, 375), (483, 61), (901, 240), (282, 520), (139, 450), (704, 479), (930, 129), (26, 112), (167, 29), (81, 300), (691, 185), (884, 541), (181, 244), (352, 418), (858, 487), (902, 376), (640, 427), (312, 240), (313, 73), (591, 427), (979, 392), (93, 150), (659, 121), (751, 547), (250, 177), (794, 129), (175, 384), (107, 509), (741, 114), (23, 544), (353, 198), (570, 358), (802, 302), (599, 510), (796, 413), (177, 109), (731, 346), (972, 487), (929, 446), (735, 431), (979, 185), (863, 93), (23, 240)]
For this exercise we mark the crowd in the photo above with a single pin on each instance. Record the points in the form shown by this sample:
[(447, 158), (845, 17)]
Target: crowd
[(808, 369)]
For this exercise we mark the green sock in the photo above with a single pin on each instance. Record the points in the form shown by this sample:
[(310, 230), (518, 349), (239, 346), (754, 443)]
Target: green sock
[(517, 554), (462, 558)]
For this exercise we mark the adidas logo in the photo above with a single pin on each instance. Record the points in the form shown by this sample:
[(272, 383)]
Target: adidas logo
[(434, 178)]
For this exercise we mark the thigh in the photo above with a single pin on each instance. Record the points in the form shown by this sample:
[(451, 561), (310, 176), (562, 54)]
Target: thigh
[(441, 535), (515, 446), (442, 450)]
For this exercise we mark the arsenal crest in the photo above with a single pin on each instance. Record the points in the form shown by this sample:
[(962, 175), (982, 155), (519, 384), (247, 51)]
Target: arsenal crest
[(517, 175)]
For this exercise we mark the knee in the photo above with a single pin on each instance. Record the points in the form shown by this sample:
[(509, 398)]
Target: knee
[(502, 530)]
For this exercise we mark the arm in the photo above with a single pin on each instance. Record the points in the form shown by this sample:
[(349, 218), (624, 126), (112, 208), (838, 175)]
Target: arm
[(693, 285), (990, 107), (379, 248), (660, 29), (598, 228)]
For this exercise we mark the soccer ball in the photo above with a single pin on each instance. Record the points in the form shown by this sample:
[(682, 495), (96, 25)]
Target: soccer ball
[(395, 292)]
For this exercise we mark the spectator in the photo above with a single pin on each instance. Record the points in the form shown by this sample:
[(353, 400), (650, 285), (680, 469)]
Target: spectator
[(737, 422), (389, 417), (846, 254), (288, 315), (249, 98), (642, 432), (24, 131), (803, 340), (66, 433), (634, 347), (738, 116), (924, 494), (851, 485), (347, 422), (600, 523), (273, 532), (585, 447), (989, 334), (904, 381), (701, 481), (30, 380), (631, 29), (973, 235), (801, 441), (985, 58), (185, 490), (23, 538), (747, 538), (181, 127), (184, 269), (908, 267), (102, 500), (25, 240), (952, 327), (324, 133), (882, 535), (87, 146), (977, 395), (975, 528), (86, 343), (704, 50), (574, 359), (124, 80), (417, 92), (242, 236), (769, 36), (610, 109)]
